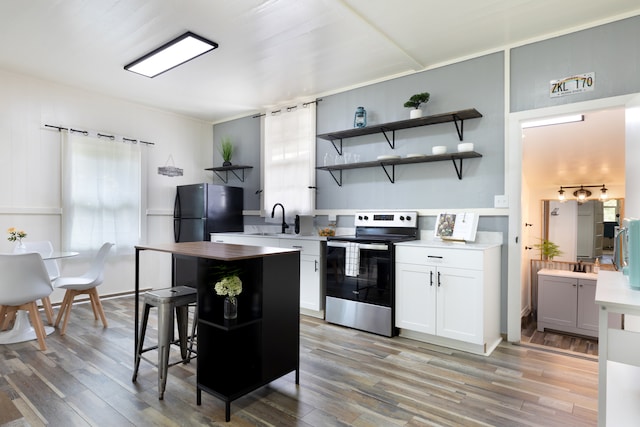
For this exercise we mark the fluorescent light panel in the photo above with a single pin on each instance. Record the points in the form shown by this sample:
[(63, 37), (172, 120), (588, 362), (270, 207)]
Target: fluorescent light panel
[(178, 51), (554, 121)]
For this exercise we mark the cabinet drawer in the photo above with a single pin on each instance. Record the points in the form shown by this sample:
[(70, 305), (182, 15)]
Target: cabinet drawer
[(307, 247), (460, 258)]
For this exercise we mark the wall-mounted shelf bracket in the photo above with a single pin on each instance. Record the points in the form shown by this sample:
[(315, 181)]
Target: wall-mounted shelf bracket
[(459, 129), (337, 180), (392, 142), (392, 176), (227, 169), (458, 170), (339, 150)]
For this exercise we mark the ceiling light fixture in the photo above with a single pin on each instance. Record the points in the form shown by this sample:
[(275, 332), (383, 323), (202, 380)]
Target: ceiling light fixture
[(553, 121), (582, 193), (176, 52)]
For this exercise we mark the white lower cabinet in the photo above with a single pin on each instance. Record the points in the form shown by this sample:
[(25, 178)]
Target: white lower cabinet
[(567, 303), (449, 297), (311, 265)]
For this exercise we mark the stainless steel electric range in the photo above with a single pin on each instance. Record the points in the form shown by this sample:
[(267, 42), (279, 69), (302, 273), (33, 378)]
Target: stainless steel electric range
[(361, 271)]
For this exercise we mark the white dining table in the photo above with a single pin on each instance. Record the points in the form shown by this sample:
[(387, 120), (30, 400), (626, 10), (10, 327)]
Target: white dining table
[(22, 330)]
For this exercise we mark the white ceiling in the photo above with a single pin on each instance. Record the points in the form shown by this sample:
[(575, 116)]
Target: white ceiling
[(270, 51), (274, 51), (591, 152)]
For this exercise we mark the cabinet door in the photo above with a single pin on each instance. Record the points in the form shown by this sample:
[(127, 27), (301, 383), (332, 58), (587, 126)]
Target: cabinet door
[(557, 298), (460, 304), (310, 289), (587, 307), (415, 298)]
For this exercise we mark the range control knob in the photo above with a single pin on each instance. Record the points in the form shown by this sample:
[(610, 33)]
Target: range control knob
[(408, 218), (366, 218), (402, 218), (360, 217)]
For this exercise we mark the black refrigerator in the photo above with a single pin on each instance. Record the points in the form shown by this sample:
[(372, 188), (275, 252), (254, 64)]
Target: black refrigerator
[(200, 209)]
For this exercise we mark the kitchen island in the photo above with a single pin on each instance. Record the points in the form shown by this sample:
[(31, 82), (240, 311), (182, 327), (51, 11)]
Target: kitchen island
[(238, 356)]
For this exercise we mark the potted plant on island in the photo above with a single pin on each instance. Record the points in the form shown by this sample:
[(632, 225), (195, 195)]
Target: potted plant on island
[(226, 150), (415, 101), (229, 285), (548, 250)]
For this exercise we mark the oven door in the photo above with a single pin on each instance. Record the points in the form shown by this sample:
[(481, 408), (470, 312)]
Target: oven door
[(360, 272)]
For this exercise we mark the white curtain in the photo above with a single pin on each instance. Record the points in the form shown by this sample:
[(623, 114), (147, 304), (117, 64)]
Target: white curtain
[(290, 158), (101, 193)]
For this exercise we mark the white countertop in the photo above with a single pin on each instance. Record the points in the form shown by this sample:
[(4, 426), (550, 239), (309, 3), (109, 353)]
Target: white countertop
[(567, 273), (274, 235), (613, 291), (450, 245)]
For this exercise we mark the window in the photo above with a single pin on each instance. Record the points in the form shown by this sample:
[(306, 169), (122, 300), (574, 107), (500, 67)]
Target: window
[(610, 211), (289, 159), (101, 193)]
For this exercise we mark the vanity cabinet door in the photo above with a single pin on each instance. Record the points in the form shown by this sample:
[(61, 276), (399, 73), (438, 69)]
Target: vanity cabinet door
[(557, 304), (587, 308)]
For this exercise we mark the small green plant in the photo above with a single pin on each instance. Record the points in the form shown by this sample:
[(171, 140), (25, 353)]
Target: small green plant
[(226, 149), (416, 100), (548, 250)]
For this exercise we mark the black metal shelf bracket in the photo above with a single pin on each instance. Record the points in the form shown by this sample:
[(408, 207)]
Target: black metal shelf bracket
[(225, 179), (339, 150), (338, 181), (458, 171), (392, 142), (391, 177), (459, 129)]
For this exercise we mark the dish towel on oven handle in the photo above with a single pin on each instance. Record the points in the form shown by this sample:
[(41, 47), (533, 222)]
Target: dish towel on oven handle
[(352, 262)]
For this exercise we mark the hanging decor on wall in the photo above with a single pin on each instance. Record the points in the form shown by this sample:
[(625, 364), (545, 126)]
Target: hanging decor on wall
[(171, 170)]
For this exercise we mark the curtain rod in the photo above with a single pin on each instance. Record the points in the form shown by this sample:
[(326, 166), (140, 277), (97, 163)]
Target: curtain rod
[(289, 109), (100, 135)]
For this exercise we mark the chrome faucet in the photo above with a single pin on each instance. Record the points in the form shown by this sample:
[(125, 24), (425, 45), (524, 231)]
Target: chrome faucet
[(273, 211)]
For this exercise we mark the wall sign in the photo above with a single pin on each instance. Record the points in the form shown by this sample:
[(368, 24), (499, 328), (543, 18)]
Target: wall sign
[(573, 84)]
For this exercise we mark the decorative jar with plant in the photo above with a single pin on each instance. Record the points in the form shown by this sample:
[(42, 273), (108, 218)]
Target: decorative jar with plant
[(16, 235), (226, 150), (229, 285), (415, 101), (548, 250)]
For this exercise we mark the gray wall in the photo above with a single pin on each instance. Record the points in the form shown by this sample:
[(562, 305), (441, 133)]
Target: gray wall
[(245, 135), (611, 51), (476, 83)]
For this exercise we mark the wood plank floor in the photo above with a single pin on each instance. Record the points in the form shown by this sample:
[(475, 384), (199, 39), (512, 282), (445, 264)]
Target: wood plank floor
[(347, 378)]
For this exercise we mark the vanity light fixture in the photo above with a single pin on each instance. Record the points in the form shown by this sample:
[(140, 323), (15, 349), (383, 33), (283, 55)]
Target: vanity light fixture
[(582, 193), (554, 121), (176, 52)]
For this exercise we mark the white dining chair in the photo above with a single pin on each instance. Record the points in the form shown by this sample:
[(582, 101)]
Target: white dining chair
[(85, 284), (23, 281), (44, 248)]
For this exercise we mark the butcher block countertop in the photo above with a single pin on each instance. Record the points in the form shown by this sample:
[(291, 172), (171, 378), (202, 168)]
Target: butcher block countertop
[(219, 251)]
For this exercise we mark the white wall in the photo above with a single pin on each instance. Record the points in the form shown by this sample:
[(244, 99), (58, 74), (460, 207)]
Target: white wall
[(30, 170)]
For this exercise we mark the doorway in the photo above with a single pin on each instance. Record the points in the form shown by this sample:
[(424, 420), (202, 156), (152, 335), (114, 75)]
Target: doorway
[(519, 193)]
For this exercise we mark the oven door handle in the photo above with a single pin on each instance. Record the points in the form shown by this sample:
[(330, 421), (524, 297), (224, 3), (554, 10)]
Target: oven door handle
[(337, 244), (373, 246)]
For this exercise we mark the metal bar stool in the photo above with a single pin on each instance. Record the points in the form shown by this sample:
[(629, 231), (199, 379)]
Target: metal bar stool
[(167, 300)]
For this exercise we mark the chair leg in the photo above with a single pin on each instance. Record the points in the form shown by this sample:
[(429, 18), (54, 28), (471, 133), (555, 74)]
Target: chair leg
[(36, 322), (165, 321), (97, 306), (62, 309), (48, 310), (9, 317), (69, 297)]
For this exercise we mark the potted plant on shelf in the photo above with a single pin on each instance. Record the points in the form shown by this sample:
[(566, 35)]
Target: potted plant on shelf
[(229, 285), (415, 101), (548, 250), (226, 150)]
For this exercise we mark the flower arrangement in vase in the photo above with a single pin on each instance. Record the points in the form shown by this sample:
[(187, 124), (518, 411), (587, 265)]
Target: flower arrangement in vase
[(16, 235), (229, 285)]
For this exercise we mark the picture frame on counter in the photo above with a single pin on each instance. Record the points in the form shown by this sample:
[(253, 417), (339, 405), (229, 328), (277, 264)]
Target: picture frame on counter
[(459, 226)]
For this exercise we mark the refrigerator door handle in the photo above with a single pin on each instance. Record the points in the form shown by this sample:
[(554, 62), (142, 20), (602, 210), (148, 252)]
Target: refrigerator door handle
[(176, 206), (176, 230)]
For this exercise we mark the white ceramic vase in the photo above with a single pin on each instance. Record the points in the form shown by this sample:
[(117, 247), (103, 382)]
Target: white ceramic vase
[(415, 113)]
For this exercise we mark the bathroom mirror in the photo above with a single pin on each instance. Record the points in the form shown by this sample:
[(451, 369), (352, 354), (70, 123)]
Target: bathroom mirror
[(583, 231)]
